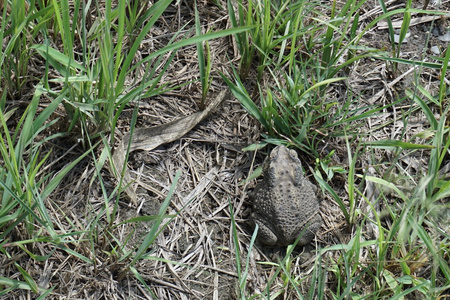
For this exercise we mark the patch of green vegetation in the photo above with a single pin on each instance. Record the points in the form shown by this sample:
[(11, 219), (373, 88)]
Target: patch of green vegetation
[(295, 53), (299, 53), (91, 68)]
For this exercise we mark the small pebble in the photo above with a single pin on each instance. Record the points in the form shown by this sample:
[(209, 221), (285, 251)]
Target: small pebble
[(445, 37), (435, 50), (397, 38)]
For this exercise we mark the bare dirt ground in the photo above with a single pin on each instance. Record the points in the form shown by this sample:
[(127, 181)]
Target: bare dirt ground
[(194, 256)]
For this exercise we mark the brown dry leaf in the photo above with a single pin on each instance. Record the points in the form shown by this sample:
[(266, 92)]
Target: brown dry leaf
[(415, 21), (148, 138)]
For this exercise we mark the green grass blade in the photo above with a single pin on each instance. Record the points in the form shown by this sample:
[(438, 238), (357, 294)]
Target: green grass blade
[(153, 233), (28, 279), (157, 10), (241, 94), (51, 55), (53, 184), (389, 144)]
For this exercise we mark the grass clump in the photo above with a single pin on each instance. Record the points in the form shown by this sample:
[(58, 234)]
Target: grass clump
[(25, 188), (294, 107), (298, 62), (90, 70)]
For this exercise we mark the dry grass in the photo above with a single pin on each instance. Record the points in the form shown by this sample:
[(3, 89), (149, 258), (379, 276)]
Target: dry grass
[(194, 256)]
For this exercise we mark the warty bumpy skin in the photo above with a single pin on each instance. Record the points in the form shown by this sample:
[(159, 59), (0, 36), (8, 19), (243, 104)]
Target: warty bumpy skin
[(285, 205)]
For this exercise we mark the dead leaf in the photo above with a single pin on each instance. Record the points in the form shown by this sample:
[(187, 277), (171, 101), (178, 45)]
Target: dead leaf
[(151, 137), (415, 21)]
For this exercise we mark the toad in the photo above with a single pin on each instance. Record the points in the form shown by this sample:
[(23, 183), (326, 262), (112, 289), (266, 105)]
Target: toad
[(285, 205)]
